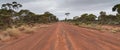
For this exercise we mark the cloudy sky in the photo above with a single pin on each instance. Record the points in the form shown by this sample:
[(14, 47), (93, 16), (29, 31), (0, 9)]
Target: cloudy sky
[(60, 7)]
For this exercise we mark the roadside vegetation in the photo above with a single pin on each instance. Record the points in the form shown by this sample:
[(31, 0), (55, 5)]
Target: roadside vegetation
[(100, 22), (13, 23)]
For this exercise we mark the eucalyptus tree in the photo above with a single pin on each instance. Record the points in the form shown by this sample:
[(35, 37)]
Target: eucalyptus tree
[(102, 17), (11, 6), (7, 12), (4, 6), (26, 16), (92, 17), (50, 17), (116, 8), (16, 5), (7, 6), (67, 14), (87, 18)]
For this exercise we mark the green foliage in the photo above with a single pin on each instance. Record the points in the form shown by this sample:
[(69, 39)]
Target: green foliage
[(86, 18), (5, 21), (9, 17), (116, 8), (102, 18), (47, 17), (108, 19), (11, 6)]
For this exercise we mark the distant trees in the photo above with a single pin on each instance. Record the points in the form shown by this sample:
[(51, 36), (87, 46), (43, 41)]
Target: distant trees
[(50, 17), (28, 17), (9, 17), (103, 18), (47, 17), (76, 18), (108, 19), (85, 18), (67, 14)]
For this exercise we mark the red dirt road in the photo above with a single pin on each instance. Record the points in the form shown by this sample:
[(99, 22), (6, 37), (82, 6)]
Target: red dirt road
[(62, 36)]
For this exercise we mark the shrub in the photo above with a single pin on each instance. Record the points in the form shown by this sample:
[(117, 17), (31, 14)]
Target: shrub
[(13, 32), (76, 23), (27, 29), (4, 37)]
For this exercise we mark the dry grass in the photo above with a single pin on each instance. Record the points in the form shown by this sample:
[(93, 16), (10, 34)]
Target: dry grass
[(92, 26), (27, 29), (101, 27), (10, 33), (7, 34), (114, 30), (4, 37), (13, 32)]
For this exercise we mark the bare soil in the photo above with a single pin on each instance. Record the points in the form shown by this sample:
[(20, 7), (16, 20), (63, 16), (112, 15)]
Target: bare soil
[(63, 36)]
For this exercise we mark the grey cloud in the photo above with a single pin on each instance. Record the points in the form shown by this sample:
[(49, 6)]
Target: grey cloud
[(21, 1), (75, 7)]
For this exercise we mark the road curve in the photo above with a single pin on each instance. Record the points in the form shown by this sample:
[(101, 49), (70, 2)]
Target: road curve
[(63, 36)]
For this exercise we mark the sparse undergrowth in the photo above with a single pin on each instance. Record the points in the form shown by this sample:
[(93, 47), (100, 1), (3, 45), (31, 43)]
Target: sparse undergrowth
[(27, 29), (99, 27), (13, 32)]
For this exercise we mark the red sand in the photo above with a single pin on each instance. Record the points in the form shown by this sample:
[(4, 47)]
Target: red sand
[(62, 36)]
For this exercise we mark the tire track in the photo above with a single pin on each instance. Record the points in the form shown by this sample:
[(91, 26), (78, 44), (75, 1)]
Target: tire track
[(62, 36), (89, 37)]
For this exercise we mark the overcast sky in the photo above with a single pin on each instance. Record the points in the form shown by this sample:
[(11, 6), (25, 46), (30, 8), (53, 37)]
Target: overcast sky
[(74, 7)]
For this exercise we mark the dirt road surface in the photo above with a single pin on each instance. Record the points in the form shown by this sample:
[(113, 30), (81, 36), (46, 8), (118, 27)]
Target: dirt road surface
[(63, 36)]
